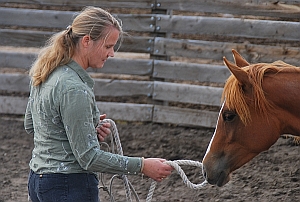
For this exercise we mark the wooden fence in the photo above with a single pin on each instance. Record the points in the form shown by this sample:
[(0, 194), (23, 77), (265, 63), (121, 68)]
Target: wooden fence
[(169, 68)]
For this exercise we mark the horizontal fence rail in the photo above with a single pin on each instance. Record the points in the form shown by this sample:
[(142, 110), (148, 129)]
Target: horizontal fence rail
[(167, 91), (133, 112), (185, 48), (284, 9), (202, 25)]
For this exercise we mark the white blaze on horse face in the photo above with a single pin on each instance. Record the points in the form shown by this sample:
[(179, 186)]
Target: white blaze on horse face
[(212, 139)]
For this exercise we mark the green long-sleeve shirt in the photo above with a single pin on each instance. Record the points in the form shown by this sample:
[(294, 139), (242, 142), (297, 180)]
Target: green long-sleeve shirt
[(62, 115)]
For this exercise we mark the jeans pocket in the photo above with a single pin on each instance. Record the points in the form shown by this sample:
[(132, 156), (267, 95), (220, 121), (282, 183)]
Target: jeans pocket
[(52, 188)]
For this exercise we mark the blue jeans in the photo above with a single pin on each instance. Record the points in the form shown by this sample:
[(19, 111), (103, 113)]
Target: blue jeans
[(77, 187)]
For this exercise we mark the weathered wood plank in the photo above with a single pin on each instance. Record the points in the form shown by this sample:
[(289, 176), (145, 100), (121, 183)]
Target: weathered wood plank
[(279, 9), (61, 19), (141, 67), (130, 112), (126, 111), (217, 50), (184, 117), (233, 27), (16, 59), (35, 18), (79, 3), (185, 93), (114, 88), (182, 48), (116, 111), (174, 47), (13, 105), (26, 38), (137, 44), (137, 22), (24, 60), (14, 83), (283, 9), (190, 71)]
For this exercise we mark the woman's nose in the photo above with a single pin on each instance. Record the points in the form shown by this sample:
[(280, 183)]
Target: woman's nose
[(111, 53)]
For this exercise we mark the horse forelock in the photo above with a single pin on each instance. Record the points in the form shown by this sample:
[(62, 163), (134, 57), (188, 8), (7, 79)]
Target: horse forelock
[(236, 99)]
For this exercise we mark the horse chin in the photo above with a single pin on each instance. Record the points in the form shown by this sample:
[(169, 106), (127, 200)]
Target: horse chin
[(223, 179)]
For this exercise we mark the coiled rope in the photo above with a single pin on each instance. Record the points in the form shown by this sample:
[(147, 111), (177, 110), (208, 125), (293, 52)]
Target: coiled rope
[(128, 186), (116, 141)]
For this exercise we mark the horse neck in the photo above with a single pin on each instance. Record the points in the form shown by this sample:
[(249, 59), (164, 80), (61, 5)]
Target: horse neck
[(283, 91)]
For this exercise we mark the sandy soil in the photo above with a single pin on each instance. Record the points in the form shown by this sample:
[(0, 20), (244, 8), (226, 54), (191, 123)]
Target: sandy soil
[(274, 175)]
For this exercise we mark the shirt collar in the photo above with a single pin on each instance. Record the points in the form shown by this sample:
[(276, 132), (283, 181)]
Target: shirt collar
[(85, 77)]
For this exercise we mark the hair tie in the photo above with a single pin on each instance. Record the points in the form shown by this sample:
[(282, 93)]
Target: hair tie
[(69, 29)]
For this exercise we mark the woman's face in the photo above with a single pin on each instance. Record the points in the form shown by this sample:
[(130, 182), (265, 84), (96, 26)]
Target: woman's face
[(99, 51)]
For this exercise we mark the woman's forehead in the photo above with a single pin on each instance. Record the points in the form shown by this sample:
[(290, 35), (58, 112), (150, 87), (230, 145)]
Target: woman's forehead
[(112, 36)]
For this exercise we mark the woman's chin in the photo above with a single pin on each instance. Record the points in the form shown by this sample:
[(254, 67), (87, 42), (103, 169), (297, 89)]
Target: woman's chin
[(97, 67)]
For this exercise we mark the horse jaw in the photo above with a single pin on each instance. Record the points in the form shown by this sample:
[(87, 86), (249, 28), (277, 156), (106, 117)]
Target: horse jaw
[(217, 165)]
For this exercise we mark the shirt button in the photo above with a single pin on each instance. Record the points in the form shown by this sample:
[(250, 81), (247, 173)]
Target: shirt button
[(41, 175)]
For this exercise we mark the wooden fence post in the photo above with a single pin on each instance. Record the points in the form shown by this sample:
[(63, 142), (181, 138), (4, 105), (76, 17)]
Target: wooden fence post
[(156, 9)]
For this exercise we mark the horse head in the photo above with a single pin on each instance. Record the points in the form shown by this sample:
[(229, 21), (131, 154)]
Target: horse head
[(249, 119)]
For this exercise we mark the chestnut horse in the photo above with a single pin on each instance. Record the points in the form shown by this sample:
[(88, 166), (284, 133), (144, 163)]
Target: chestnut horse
[(261, 102)]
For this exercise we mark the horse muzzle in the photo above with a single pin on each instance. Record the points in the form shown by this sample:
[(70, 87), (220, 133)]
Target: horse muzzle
[(217, 175)]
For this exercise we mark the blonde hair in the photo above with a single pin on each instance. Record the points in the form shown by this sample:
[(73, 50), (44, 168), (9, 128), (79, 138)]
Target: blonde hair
[(60, 48)]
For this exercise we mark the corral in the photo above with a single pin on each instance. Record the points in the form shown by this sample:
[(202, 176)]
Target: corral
[(163, 87)]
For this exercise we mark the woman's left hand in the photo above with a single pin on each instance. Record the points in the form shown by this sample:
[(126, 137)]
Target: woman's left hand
[(103, 130)]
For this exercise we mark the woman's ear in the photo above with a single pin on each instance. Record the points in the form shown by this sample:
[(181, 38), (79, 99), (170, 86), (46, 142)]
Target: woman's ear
[(85, 40)]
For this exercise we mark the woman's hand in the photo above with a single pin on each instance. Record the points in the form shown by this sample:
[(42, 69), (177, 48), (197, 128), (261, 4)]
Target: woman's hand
[(156, 169), (103, 129)]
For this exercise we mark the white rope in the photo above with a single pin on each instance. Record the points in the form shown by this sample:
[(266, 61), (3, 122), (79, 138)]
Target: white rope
[(115, 133), (186, 181), (175, 164), (151, 191)]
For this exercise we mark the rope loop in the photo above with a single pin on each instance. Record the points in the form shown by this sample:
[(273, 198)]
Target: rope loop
[(175, 164)]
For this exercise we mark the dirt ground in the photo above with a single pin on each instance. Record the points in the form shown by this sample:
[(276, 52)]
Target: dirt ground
[(274, 175)]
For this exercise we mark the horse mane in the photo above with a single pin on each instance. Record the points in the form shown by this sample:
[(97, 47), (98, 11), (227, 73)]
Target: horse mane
[(234, 94)]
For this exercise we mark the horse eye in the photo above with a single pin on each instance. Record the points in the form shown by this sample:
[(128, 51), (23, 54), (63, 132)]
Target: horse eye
[(228, 116)]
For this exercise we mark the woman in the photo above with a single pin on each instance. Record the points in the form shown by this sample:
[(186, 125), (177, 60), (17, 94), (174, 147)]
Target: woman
[(62, 115)]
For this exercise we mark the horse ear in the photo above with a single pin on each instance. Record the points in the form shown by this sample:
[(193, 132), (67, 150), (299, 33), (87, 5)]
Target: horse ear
[(240, 74), (239, 60)]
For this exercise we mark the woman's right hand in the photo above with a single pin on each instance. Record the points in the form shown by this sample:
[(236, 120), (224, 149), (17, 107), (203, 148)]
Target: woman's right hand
[(156, 169)]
